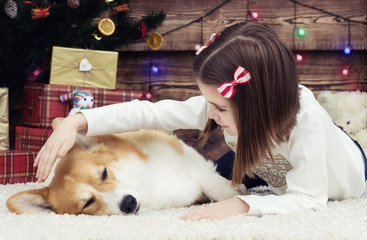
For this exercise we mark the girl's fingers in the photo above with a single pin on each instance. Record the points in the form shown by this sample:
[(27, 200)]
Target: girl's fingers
[(48, 162), (66, 146), (57, 145), (196, 215), (36, 161), (44, 160)]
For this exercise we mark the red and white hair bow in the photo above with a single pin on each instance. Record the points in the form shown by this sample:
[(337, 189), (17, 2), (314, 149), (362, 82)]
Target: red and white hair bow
[(241, 76), (211, 39)]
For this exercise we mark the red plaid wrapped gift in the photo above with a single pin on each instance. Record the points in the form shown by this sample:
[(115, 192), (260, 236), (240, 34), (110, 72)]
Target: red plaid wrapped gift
[(16, 166), (43, 104), (27, 138)]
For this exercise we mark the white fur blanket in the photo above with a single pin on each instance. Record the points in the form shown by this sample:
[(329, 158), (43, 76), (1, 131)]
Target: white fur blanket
[(342, 220)]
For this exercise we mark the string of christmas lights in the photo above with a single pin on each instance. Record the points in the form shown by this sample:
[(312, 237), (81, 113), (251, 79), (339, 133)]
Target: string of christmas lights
[(327, 12), (252, 15), (300, 31), (348, 48)]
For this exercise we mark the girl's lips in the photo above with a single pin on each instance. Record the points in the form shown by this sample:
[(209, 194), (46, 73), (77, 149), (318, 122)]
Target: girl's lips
[(222, 126)]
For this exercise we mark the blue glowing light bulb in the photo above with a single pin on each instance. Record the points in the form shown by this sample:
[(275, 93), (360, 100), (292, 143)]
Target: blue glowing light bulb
[(347, 50), (154, 69)]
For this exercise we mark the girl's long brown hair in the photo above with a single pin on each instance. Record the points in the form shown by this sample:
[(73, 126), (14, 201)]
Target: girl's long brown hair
[(266, 107)]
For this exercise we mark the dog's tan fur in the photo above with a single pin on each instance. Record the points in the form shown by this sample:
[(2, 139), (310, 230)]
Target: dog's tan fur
[(93, 170)]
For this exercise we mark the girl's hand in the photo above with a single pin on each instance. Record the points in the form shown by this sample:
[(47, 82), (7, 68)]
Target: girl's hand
[(219, 210), (58, 144)]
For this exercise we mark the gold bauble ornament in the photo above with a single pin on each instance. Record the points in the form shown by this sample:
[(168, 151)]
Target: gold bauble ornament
[(106, 26), (155, 41)]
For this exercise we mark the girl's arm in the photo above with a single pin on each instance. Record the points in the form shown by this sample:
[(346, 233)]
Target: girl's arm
[(219, 210), (128, 116), (166, 115)]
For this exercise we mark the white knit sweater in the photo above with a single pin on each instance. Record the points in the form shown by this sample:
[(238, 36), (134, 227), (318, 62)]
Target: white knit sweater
[(318, 163)]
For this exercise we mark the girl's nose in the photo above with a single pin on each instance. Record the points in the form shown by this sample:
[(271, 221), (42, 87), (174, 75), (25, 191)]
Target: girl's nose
[(211, 113)]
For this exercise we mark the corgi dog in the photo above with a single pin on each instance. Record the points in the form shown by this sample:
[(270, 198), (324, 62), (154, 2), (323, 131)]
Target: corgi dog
[(127, 173)]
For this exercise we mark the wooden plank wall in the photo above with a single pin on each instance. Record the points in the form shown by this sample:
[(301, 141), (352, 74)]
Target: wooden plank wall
[(320, 70), (323, 32), (322, 46)]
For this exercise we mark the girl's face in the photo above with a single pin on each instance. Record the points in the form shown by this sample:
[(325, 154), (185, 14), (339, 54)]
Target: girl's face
[(220, 109)]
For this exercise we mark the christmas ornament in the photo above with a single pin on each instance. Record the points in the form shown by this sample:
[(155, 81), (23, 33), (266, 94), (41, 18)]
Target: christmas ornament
[(74, 3), (143, 30), (155, 41), (11, 9), (96, 36), (38, 12), (120, 8), (106, 26), (85, 66)]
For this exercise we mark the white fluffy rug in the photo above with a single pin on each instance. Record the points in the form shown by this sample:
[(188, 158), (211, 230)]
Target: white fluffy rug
[(343, 220)]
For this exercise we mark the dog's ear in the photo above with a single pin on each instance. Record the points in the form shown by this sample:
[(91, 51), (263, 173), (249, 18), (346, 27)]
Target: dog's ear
[(31, 201), (84, 142)]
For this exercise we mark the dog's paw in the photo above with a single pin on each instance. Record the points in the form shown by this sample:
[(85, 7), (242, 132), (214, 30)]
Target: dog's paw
[(241, 188)]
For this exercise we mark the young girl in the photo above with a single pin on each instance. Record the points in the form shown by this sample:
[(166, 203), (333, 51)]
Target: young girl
[(249, 85)]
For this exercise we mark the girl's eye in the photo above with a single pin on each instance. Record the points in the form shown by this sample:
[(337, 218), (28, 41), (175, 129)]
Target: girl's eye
[(219, 109), (104, 174)]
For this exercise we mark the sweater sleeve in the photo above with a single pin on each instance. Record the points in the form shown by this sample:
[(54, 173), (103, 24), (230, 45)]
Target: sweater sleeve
[(130, 116)]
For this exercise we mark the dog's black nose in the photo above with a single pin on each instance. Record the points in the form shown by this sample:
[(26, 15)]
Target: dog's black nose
[(128, 204)]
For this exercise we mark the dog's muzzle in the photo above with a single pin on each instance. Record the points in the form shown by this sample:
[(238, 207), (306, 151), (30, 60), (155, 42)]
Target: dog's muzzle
[(129, 205)]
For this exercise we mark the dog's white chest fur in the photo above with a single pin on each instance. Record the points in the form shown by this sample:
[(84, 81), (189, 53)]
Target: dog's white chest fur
[(166, 179)]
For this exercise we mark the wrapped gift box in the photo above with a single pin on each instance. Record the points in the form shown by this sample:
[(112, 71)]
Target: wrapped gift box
[(16, 166), (4, 119), (81, 67), (43, 104), (31, 139)]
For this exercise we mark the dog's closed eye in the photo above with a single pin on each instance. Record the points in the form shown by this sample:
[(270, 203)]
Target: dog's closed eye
[(89, 202), (104, 174)]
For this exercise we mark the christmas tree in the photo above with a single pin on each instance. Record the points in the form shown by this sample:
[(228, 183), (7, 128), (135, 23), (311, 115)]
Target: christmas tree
[(29, 30)]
